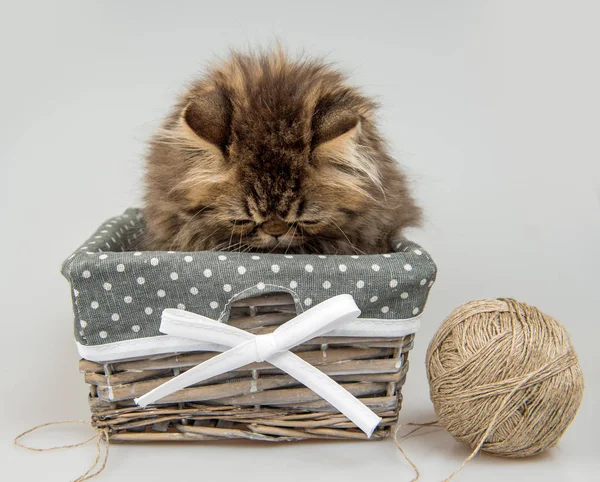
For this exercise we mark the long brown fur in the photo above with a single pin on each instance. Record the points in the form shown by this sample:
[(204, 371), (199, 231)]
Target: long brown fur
[(266, 153)]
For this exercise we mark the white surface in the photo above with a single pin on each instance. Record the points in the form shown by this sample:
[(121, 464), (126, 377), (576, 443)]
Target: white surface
[(493, 107)]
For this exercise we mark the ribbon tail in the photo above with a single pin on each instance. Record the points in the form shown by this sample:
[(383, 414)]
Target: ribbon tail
[(328, 389)]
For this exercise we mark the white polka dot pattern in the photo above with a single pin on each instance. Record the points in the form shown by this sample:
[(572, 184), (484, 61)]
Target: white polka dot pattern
[(119, 292)]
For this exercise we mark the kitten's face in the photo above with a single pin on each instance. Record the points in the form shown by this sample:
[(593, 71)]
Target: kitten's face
[(269, 155), (292, 205), (267, 222)]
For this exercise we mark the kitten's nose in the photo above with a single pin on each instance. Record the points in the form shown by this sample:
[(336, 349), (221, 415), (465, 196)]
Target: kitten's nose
[(275, 228)]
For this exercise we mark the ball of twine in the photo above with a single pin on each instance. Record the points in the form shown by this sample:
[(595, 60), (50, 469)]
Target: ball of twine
[(504, 377)]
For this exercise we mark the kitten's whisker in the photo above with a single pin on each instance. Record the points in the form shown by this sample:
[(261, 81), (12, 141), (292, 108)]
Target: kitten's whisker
[(192, 218), (292, 237), (181, 231), (219, 246), (231, 237), (207, 237), (184, 238), (347, 239), (274, 248)]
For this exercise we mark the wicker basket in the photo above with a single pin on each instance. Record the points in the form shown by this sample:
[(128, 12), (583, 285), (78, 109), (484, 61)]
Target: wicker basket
[(258, 401)]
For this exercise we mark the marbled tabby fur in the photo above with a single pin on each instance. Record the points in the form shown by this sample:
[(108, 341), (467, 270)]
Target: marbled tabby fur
[(266, 153)]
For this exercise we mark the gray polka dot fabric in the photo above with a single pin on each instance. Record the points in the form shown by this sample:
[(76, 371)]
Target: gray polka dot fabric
[(119, 294)]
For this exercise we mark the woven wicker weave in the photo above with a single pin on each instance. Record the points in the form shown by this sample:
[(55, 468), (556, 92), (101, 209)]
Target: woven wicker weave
[(257, 402)]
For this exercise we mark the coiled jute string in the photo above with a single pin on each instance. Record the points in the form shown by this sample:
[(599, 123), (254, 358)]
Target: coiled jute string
[(503, 377)]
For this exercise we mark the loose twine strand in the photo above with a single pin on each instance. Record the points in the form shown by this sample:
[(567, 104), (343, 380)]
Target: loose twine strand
[(435, 423), (100, 435), (418, 426)]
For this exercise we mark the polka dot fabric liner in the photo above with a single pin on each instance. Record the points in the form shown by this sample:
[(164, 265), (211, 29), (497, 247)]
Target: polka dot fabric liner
[(119, 294)]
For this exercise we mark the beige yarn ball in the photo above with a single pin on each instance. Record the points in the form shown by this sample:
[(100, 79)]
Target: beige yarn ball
[(504, 377)]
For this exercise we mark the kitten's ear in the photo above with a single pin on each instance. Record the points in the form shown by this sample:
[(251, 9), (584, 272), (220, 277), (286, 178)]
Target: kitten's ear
[(209, 116), (331, 121)]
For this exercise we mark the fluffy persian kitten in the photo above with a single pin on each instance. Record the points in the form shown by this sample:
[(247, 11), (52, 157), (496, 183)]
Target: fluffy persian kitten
[(266, 153)]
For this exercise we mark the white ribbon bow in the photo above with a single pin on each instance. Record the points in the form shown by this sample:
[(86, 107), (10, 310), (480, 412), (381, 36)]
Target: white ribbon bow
[(245, 348)]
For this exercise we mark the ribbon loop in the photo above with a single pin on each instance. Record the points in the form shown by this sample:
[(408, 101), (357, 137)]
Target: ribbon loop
[(246, 348)]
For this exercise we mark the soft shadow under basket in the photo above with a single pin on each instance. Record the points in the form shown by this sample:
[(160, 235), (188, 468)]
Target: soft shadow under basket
[(119, 295)]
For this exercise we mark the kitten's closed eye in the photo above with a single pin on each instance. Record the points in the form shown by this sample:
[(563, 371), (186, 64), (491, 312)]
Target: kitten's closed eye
[(241, 222), (202, 208)]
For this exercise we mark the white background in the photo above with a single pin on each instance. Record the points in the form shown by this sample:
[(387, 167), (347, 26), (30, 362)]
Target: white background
[(492, 107)]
